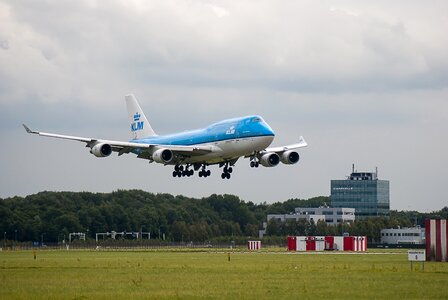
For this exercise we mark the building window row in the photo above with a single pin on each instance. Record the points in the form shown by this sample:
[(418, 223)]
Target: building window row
[(400, 234)]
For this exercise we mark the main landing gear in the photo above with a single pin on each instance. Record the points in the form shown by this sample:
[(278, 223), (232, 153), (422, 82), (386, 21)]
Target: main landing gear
[(254, 163), (226, 171), (179, 171), (204, 173)]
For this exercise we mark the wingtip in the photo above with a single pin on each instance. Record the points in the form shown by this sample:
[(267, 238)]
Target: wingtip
[(302, 141), (28, 129)]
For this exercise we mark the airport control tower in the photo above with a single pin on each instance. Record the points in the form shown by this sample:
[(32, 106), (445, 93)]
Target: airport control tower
[(362, 191)]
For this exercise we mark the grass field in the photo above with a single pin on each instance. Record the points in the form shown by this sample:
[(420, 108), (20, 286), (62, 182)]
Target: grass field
[(209, 274)]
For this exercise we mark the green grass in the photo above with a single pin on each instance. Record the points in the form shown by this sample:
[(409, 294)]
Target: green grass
[(183, 274)]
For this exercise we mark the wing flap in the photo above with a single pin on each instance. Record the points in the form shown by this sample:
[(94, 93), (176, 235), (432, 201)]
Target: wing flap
[(199, 150)]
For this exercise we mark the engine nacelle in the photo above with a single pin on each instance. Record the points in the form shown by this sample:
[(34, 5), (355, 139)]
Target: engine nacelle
[(101, 150), (290, 157), (269, 160), (163, 156)]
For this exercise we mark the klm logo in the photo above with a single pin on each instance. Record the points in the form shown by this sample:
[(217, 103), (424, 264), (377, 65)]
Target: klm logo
[(137, 125), (231, 130)]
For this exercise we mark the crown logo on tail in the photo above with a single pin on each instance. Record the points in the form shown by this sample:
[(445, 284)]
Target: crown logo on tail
[(136, 117)]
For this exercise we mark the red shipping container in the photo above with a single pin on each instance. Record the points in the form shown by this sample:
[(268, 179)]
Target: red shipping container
[(292, 243), (329, 243), (310, 243), (320, 243), (355, 243), (349, 243)]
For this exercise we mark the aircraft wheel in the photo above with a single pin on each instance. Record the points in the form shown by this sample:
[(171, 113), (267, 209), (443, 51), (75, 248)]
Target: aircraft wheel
[(228, 175), (230, 170), (174, 174), (209, 173), (200, 173), (252, 164), (223, 175), (191, 172)]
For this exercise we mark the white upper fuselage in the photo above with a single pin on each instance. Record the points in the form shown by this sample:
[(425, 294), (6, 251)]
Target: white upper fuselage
[(229, 139)]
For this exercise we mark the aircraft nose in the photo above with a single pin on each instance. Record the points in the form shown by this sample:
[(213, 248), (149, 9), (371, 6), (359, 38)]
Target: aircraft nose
[(268, 130)]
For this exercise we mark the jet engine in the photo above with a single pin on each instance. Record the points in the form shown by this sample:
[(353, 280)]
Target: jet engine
[(290, 157), (163, 156), (269, 160), (101, 150)]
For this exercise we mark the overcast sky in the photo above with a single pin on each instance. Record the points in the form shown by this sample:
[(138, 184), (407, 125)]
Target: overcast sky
[(365, 82)]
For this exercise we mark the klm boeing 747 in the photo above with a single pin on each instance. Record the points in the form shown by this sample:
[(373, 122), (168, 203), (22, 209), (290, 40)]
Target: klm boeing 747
[(222, 144)]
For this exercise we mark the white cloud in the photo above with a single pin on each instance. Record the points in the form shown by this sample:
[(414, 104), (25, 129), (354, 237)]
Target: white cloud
[(295, 46)]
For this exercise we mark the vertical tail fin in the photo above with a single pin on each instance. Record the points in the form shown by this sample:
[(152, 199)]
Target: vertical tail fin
[(139, 125)]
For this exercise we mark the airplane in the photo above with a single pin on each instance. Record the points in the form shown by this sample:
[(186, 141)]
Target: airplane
[(221, 143)]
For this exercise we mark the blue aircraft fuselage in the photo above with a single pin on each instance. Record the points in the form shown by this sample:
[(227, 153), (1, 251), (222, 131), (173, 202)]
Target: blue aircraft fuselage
[(238, 128), (230, 139)]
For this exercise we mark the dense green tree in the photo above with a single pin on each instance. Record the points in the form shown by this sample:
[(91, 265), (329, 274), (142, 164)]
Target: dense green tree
[(53, 215), (273, 227), (180, 231)]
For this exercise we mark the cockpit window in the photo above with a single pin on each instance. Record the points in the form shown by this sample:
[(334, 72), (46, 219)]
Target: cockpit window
[(256, 119)]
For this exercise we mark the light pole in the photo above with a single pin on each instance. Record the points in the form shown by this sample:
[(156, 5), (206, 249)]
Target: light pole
[(42, 239)]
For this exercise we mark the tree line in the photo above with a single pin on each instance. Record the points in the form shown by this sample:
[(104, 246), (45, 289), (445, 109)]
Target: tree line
[(53, 215)]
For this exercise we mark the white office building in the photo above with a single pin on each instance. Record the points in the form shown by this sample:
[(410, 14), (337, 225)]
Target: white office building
[(331, 216), (296, 217), (413, 235)]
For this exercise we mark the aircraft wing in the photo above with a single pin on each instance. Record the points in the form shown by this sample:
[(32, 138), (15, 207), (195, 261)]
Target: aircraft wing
[(281, 149), (126, 147)]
